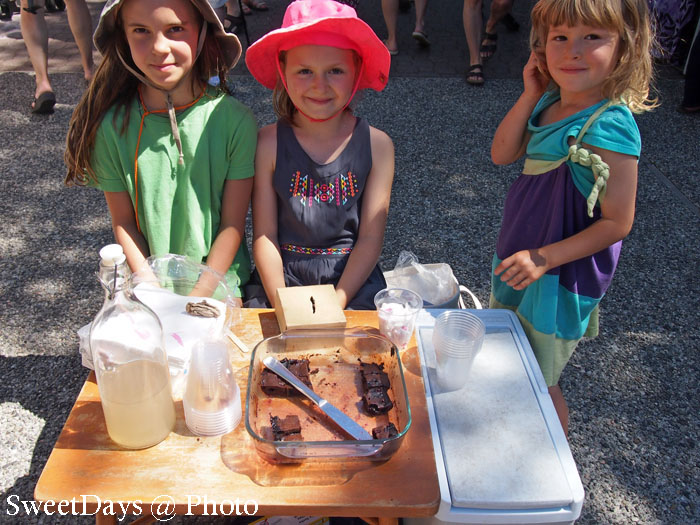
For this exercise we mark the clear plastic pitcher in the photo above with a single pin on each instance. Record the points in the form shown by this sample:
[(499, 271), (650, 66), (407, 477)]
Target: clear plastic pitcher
[(126, 341)]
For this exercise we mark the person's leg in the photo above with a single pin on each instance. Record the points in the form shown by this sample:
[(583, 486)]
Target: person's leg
[(471, 17), (36, 40), (691, 92), (561, 407), (80, 24), (499, 9), (421, 6), (232, 8), (390, 10)]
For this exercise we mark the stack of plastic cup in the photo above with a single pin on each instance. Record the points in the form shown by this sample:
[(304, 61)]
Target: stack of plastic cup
[(457, 339), (212, 399), (397, 309)]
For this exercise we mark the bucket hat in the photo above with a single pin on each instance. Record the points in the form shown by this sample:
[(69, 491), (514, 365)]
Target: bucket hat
[(229, 43), (323, 23)]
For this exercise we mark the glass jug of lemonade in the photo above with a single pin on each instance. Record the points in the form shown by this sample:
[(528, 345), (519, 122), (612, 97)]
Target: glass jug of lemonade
[(126, 341)]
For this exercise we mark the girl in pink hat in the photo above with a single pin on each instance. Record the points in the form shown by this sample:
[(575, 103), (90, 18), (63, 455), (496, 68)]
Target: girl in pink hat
[(322, 176), (173, 155)]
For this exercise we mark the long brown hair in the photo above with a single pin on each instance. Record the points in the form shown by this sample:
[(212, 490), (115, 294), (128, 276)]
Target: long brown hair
[(113, 85), (633, 74)]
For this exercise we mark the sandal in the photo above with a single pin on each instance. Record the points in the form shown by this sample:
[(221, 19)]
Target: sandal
[(421, 38), (257, 5), (236, 22), (488, 45), (53, 6), (688, 110), (392, 52), (475, 75), (44, 103)]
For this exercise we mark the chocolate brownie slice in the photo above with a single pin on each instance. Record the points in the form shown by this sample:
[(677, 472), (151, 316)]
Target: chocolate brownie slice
[(385, 432), (376, 401), (274, 386), (373, 376), (375, 382), (287, 429)]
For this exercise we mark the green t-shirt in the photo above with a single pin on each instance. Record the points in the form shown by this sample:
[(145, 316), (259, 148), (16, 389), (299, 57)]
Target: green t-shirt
[(179, 205)]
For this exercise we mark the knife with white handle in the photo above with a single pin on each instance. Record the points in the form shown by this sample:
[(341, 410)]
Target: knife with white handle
[(341, 419)]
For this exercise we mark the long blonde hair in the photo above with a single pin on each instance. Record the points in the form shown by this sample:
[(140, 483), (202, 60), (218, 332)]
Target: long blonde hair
[(114, 85), (633, 74)]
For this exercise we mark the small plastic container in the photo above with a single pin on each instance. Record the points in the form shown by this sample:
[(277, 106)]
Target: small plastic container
[(397, 309), (334, 357), (457, 338), (212, 400)]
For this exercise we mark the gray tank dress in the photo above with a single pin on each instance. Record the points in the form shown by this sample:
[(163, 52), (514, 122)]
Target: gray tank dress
[(318, 215)]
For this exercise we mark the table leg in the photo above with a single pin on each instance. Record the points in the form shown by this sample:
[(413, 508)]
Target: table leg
[(101, 519), (144, 520), (104, 519), (381, 521)]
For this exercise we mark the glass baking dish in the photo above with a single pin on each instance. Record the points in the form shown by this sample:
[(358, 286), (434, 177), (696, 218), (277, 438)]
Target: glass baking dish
[(334, 359)]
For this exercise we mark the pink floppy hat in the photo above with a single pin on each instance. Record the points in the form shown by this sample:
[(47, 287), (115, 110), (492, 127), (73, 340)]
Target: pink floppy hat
[(322, 23)]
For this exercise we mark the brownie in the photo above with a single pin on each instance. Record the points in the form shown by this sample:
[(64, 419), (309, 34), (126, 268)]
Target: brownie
[(385, 432), (376, 401), (380, 380), (274, 386), (375, 383), (287, 429), (370, 368)]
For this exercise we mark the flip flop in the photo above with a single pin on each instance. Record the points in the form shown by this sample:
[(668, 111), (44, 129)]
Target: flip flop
[(488, 45), (258, 5), (235, 23), (44, 103), (392, 52), (246, 10), (421, 38), (689, 110), (475, 75)]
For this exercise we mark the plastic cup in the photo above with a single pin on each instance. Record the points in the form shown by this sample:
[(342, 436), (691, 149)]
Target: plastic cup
[(212, 400), (457, 339), (397, 309)]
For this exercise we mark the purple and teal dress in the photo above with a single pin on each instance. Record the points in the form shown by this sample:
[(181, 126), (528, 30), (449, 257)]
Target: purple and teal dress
[(558, 195)]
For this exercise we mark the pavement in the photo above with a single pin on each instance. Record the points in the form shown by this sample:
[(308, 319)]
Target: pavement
[(633, 391)]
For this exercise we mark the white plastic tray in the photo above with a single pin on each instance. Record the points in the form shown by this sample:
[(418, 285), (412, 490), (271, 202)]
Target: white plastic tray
[(501, 453)]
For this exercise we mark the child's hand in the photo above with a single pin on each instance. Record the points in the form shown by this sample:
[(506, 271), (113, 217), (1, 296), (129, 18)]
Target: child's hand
[(535, 75), (522, 268)]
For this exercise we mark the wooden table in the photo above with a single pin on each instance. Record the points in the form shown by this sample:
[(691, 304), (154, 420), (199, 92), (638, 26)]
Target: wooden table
[(186, 470)]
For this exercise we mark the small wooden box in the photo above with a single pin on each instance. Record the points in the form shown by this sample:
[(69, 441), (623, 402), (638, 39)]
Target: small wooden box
[(314, 306)]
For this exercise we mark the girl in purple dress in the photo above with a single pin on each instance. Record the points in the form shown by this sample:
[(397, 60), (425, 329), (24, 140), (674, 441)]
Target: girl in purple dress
[(567, 213)]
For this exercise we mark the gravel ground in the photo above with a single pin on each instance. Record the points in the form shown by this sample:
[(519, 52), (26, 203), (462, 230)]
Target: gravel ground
[(633, 392)]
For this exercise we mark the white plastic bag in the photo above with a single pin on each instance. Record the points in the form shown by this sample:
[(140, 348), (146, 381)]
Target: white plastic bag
[(435, 283)]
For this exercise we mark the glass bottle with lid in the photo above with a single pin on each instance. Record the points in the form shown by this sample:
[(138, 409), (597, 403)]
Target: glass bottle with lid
[(126, 341)]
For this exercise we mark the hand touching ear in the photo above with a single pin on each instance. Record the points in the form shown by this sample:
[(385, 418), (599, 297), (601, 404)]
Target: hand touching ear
[(535, 75)]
